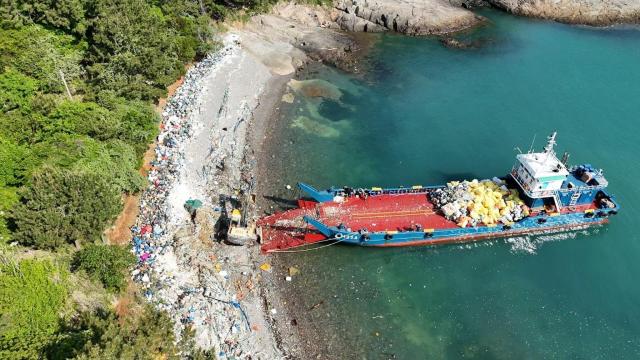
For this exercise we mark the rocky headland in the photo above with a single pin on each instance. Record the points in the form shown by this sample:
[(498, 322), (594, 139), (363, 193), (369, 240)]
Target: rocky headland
[(585, 12), (411, 17)]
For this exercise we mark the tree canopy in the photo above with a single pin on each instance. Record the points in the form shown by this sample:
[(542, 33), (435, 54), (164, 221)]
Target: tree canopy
[(78, 83), (32, 293), (63, 206), (105, 263)]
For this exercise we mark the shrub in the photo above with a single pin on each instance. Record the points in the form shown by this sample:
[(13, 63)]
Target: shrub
[(8, 198), (63, 206), (32, 294), (84, 118), (41, 54), (103, 335), (105, 263), (15, 162)]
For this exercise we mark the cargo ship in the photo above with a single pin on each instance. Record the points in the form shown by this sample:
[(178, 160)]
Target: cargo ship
[(541, 194)]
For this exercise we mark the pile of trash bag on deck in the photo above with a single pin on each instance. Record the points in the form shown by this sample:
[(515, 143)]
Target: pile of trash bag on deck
[(473, 202)]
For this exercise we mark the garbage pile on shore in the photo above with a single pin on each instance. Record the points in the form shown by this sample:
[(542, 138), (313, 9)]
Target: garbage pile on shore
[(171, 266), (150, 235), (474, 202)]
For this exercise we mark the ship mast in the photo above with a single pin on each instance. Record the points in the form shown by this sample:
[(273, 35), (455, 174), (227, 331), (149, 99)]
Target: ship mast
[(550, 144)]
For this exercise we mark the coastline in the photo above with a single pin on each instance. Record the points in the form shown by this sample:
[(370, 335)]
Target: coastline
[(227, 288), (205, 285), (212, 135)]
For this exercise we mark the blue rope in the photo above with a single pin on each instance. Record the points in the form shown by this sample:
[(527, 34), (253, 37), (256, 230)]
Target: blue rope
[(237, 305)]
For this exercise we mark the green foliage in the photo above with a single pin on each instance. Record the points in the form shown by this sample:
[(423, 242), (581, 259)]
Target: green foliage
[(67, 15), (102, 335), (115, 160), (85, 118), (8, 198), (64, 160), (138, 120), (16, 92), (16, 162), (32, 294), (63, 206), (105, 263), (191, 25), (112, 160), (132, 51), (190, 350), (41, 54)]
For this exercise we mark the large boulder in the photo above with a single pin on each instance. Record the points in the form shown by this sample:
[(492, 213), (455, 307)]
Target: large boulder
[(589, 12), (411, 17)]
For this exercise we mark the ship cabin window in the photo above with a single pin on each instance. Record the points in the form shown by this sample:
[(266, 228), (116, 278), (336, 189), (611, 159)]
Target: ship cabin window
[(570, 185)]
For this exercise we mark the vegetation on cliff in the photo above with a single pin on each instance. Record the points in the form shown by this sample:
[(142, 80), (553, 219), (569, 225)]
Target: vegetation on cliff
[(78, 83)]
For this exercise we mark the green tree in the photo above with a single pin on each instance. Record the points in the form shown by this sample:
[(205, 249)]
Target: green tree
[(32, 294), (113, 160), (103, 335), (63, 206), (132, 51), (138, 120), (85, 118), (41, 54), (8, 198), (105, 263), (17, 118), (67, 15), (15, 162), (16, 92)]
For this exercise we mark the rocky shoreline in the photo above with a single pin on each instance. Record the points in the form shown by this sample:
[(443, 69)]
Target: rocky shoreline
[(212, 132), (227, 115), (576, 12)]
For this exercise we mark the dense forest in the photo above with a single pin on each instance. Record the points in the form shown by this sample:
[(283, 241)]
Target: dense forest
[(78, 84)]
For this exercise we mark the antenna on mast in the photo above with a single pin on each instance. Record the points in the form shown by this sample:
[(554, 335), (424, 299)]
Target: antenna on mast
[(550, 143), (517, 148), (548, 150), (532, 142)]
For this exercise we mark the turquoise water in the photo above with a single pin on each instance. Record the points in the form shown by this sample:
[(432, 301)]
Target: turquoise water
[(426, 114)]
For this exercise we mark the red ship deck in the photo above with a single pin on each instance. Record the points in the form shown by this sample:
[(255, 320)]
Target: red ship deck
[(384, 213), (376, 213)]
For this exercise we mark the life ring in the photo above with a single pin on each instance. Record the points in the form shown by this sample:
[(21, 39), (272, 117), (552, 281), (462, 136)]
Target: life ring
[(338, 236)]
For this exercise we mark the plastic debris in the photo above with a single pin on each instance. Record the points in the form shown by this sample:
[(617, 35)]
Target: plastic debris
[(188, 285), (265, 267), (293, 271)]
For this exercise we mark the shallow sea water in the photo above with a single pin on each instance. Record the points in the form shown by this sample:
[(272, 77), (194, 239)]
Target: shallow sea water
[(426, 114)]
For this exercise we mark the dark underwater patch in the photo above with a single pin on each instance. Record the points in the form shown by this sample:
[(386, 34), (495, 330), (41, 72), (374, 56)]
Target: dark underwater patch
[(332, 110)]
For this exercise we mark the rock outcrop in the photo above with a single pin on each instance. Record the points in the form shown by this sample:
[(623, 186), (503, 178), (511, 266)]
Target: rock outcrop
[(292, 34), (587, 12), (411, 17)]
